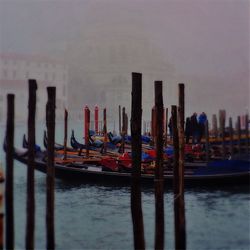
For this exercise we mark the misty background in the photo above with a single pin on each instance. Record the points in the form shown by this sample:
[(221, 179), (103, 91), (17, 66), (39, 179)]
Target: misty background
[(202, 43)]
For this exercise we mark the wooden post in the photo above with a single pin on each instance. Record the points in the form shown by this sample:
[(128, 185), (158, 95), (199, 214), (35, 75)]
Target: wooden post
[(96, 118), (136, 117), (166, 128), (159, 181), (153, 124), (207, 140), (50, 119), (9, 203), (86, 128), (1, 213), (123, 129), (231, 134), (88, 135), (105, 131), (176, 181), (214, 126), (144, 128), (65, 133), (120, 130), (181, 244), (181, 112), (126, 123), (222, 117), (239, 134), (247, 133), (30, 223)]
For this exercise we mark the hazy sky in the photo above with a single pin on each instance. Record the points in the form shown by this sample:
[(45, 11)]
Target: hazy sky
[(207, 41)]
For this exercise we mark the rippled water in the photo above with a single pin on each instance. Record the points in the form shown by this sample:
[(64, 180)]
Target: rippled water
[(98, 217)]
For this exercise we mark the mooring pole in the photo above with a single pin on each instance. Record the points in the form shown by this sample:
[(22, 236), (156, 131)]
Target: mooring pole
[(247, 133), (30, 223), (105, 131), (50, 119), (136, 118), (231, 134), (123, 129), (166, 128), (86, 128), (9, 203), (119, 110), (159, 181), (207, 140), (222, 117), (96, 118), (181, 203), (153, 124), (239, 134), (176, 180), (65, 133)]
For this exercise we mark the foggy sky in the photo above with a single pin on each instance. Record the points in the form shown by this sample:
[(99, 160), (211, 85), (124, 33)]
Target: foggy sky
[(207, 41)]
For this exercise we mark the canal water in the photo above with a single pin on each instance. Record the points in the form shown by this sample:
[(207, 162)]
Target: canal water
[(92, 216)]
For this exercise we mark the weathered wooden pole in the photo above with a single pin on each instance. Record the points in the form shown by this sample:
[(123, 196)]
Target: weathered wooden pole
[(176, 180), (181, 244), (153, 124), (50, 120), (88, 135), (123, 129), (231, 134), (126, 123), (136, 118), (144, 128), (247, 133), (30, 223), (207, 140), (86, 128), (181, 109), (239, 134), (120, 126), (166, 127), (105, 131), (65, 133), (9, 203), (159, 181), (96, 118), (222, 118)]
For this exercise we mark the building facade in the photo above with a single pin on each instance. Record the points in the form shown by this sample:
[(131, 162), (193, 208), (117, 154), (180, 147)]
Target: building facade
[(16, 69)]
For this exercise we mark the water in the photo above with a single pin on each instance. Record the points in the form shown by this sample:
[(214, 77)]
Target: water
[(89, 216)]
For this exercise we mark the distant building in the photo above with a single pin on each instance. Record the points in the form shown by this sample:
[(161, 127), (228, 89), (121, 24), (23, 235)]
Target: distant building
[(16, 69), (101, 67)]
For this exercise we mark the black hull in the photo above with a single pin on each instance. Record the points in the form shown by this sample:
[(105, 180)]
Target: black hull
[(76, 174)]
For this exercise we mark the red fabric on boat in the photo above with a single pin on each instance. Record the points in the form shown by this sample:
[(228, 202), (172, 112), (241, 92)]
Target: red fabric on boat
[(109, 163)]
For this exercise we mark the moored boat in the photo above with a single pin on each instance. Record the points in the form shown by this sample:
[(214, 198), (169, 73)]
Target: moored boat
[(197, 173)]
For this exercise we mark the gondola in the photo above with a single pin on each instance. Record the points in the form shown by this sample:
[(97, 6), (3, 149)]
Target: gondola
[(198, 173)]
